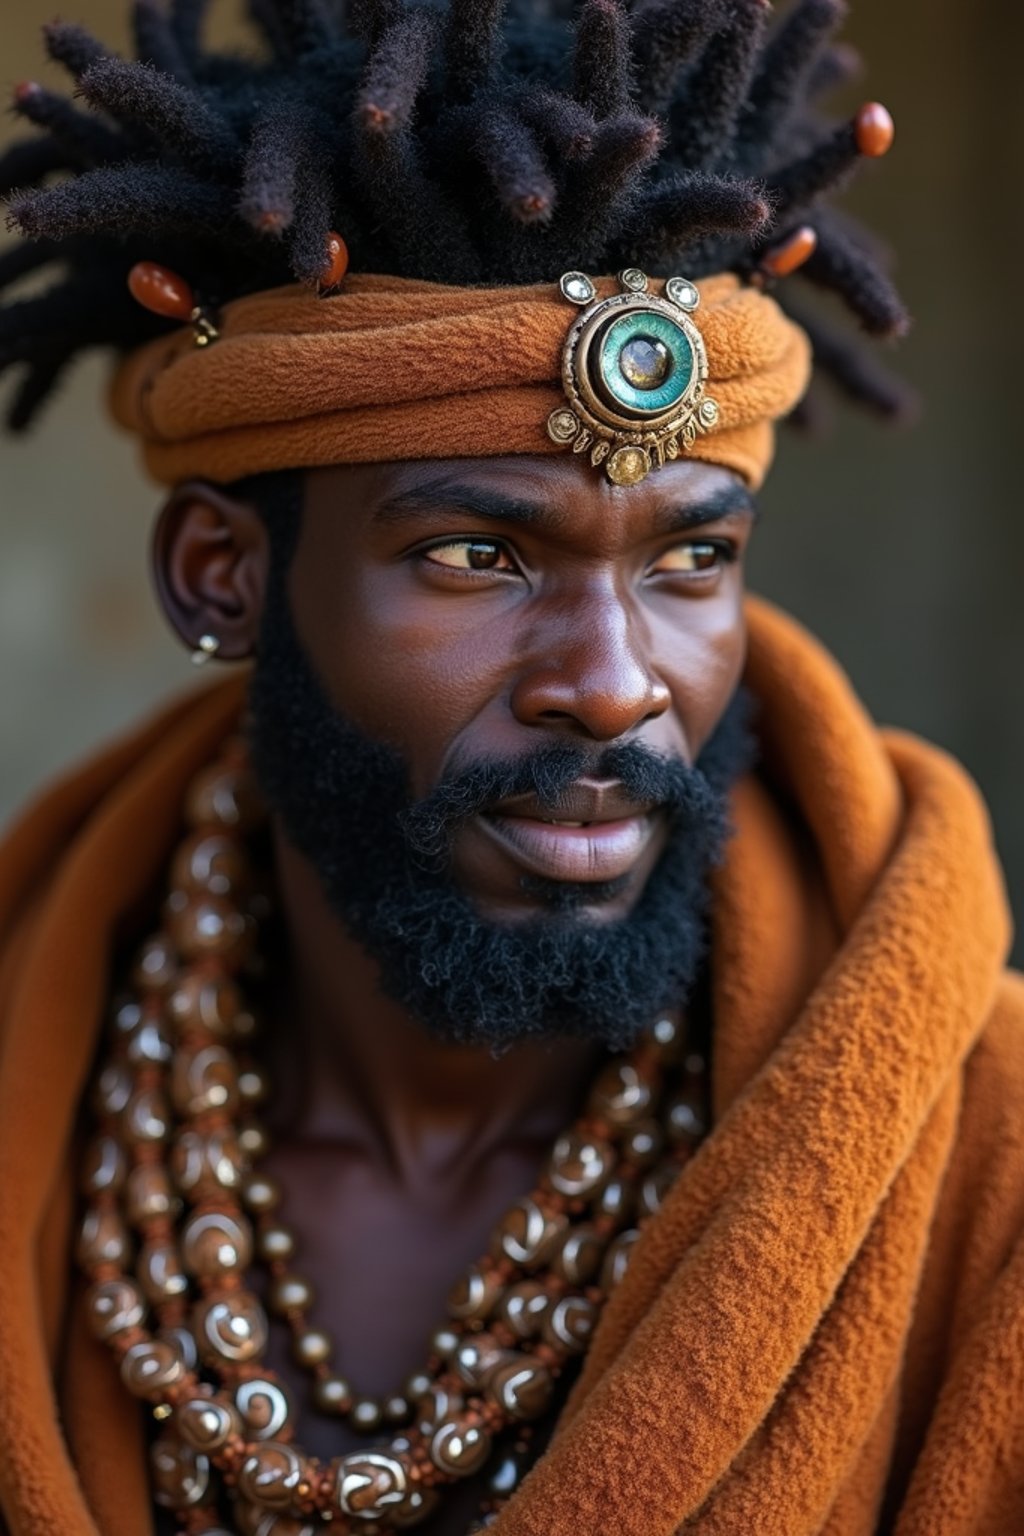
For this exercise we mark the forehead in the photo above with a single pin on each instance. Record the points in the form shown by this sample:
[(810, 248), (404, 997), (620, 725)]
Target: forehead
[(546, 496)]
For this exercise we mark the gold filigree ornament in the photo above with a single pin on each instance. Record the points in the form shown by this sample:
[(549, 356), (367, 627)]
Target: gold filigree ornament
[(634, 371)]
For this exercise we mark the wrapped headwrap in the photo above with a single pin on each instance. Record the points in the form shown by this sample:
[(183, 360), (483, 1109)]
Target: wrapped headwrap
[(396, 368)]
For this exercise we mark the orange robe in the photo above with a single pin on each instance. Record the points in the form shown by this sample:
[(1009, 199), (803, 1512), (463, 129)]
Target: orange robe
[(821, 1331)]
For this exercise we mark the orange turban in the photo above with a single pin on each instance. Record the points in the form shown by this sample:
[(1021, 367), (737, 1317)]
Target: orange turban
[(396, 368)]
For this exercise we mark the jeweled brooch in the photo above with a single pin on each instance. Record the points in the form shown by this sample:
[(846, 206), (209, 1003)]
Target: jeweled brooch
[(634, 371)]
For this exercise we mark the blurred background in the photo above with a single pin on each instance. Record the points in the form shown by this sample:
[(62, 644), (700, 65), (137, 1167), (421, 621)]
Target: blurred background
[(904, 551)]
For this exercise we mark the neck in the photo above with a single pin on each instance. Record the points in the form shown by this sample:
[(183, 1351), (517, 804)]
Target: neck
[(353, 1066)]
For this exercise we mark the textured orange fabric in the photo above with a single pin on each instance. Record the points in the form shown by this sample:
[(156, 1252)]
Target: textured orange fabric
[(822, 1331), (397, 368)]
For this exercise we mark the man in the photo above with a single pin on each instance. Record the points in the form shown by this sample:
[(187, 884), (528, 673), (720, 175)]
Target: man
[(528, 1053)]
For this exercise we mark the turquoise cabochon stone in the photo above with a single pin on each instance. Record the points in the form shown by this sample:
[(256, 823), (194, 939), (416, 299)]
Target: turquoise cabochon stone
[(676, 370)]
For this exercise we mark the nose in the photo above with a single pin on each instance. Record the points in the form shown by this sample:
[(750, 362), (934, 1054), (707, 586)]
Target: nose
[(592, 676)]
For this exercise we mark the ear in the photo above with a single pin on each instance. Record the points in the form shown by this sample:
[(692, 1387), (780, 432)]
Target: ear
[(211, 558)]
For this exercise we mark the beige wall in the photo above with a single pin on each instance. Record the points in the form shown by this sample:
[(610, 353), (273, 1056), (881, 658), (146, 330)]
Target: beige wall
[(905, 552)]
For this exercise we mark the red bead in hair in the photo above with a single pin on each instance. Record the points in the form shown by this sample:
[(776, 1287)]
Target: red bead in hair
[(336, 263), (160, 291), (788, 257), (874, 129)]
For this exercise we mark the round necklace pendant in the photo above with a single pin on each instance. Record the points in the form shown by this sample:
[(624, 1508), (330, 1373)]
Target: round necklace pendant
[(634, 371)]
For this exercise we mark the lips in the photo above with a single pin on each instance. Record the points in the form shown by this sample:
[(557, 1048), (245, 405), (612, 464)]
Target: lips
[(596, 833)]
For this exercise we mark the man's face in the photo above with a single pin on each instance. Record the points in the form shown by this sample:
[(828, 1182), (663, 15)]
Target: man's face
[(478, 610)]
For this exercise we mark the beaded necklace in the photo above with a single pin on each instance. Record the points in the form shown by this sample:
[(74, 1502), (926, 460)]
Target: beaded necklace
[(177, 1213)]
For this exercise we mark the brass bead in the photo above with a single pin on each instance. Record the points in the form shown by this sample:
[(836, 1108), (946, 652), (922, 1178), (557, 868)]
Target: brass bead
[(206, 1423), (210, 925), (215, 1243), (620, 1094), (199, 1001), (312, 1347), (210, 862), (477, 1354), (656, 1186), (616, 1199), (524, 1307), (459, 1448), (113, 1306), (149, 1194), (206, 1163), (103, 1239), (113, 1089), (223, 797), (332, 1394), (230, 1327), (526, 1235), (472, 1297), (160, 1273), (616, 1260), (579, 1257), (271, 1474), (204, 1079), (290, 1293), (156, 965), (150, 1367), (686, 1122), (522, 1388), (181, 1476), (265, 1406), (578, 1164), (104, 1166), (570, 1323), (371, 1483), (149, 1045), (146, 1117)]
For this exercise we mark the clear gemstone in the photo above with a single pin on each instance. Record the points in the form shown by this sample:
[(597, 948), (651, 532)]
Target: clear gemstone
[(577, 287), (633, 279), (708, 412), (682, 292)]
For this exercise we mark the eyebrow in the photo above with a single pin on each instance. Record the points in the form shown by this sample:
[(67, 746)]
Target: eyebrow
[(435, 496), (423, 502)]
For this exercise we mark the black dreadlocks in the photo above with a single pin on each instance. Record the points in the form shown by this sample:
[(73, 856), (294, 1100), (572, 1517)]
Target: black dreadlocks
[(473, 141)]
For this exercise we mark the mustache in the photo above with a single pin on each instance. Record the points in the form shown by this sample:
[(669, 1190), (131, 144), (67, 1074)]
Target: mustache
[(677, 789)]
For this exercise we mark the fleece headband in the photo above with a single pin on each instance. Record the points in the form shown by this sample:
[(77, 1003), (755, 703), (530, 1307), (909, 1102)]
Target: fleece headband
[(396, 368)]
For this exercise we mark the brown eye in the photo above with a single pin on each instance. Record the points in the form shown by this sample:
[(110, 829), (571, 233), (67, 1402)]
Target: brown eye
[(470, 555), (691, 558)]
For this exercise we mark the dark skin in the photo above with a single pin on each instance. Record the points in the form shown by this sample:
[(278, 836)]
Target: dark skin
[(460, 610)]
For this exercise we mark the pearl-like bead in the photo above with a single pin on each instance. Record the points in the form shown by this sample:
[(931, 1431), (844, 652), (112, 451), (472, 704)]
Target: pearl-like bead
[(253, 1141), (444, 1341), (366, 1415), (290, 1293), (397, 1409), (253, 1085), (313, 1347), (332, 1394), (261, 1193), (275, 1244)]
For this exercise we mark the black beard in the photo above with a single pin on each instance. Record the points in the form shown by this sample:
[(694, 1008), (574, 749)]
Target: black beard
[(382, 860)]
